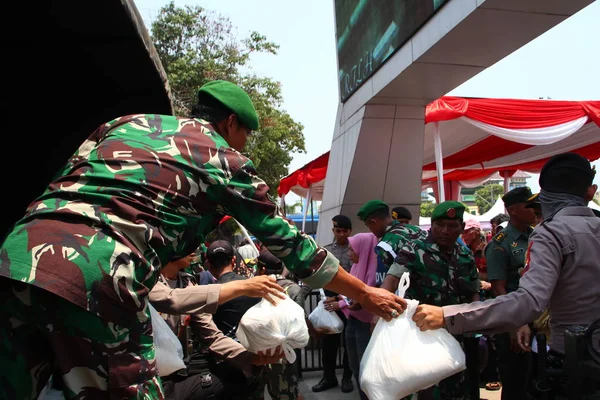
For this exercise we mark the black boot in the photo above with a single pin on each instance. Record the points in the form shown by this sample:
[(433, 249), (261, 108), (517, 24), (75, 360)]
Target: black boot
[(347, 385), (324, 384)]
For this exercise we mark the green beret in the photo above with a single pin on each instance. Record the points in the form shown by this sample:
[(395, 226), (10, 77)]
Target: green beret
[(370, 207), (234, 98), (448, 210)]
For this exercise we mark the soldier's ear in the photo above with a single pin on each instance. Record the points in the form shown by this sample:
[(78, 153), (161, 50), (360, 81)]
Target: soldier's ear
[(591, 192)]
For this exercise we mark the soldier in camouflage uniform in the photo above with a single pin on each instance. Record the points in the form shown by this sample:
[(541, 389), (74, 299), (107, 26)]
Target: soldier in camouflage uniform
[(391, 233), (442, 272), (76, 270)]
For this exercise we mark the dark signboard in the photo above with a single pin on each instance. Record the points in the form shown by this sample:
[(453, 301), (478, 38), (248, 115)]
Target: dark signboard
[(368, 32)]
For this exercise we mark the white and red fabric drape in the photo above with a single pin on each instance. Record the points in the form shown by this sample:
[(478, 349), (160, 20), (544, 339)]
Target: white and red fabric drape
[(483, 137), (505, 135), (311, 175)]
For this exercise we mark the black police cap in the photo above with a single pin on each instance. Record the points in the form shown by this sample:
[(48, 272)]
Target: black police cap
[(341, 221), (220, 249), (567, 173), (401, 213), (521, 194)]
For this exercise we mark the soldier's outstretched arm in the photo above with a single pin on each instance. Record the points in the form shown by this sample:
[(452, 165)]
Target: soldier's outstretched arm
[(243, 194)]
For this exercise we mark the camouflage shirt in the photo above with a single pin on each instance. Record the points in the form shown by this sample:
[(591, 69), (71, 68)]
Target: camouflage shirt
[(437, 278), (396, 236), (139, 191)]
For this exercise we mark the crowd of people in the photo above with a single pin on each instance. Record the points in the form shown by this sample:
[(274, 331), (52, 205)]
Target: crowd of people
[(141, 216)]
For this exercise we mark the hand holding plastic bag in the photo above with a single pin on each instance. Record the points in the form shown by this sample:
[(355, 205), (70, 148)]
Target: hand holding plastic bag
[(168, 349), (327, 322), (401, 360), (264, 327)]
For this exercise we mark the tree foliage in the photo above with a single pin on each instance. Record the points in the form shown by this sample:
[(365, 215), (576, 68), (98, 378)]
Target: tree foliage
[(293, 208), (486, 197), (427, 209), (196, 46)]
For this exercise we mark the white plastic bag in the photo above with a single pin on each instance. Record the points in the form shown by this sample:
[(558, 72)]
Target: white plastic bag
[(168, 349), (401, 359), (327, 321), (264, 327), (49, 393)]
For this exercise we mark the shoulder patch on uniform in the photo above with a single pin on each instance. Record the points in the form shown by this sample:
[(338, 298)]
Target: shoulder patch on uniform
[(387, 247), (499, 237), (527, 260)]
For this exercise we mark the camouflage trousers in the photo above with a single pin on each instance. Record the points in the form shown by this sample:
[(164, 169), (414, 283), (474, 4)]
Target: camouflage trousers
[(454, 387), (281, 381), (42, 334)]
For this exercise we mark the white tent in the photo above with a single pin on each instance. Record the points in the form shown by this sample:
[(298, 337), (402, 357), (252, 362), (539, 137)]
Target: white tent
[(497, 208)]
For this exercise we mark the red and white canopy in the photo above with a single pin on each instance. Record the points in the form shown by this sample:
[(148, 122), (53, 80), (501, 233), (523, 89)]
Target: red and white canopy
[(480, 137), (310, 176)]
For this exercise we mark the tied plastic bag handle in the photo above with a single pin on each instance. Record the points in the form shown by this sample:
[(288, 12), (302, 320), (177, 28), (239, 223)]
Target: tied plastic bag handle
[(403, 285), (288, 352), (322, 294)]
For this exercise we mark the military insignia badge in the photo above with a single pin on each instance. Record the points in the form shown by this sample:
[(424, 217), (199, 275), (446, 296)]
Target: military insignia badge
[(451, 213), (394, 214), (514, 244)]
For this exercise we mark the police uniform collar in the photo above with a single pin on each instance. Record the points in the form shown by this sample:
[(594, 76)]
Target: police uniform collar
[(335, 244), (579, 211)]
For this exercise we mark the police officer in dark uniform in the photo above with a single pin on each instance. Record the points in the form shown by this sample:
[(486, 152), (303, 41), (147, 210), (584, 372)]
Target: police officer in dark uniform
[(561, 270), (340, 248), (505, 256)]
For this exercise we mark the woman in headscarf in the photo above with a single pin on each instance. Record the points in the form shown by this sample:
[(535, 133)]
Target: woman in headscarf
[(358, 330)]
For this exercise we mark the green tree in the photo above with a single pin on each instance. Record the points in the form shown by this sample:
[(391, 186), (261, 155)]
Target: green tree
[(596, 200), (427, 208), (293, 208), (486, 197), (196, 46)]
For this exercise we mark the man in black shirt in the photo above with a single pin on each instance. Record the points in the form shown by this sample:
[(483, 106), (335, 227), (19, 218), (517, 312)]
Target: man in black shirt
[(220, 262)]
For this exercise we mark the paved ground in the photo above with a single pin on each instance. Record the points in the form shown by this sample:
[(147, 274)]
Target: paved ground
[(312, 378)]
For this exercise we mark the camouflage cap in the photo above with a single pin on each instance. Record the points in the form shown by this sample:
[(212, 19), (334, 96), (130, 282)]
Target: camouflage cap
[(234, 98), (448, 210), (370, 207)]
